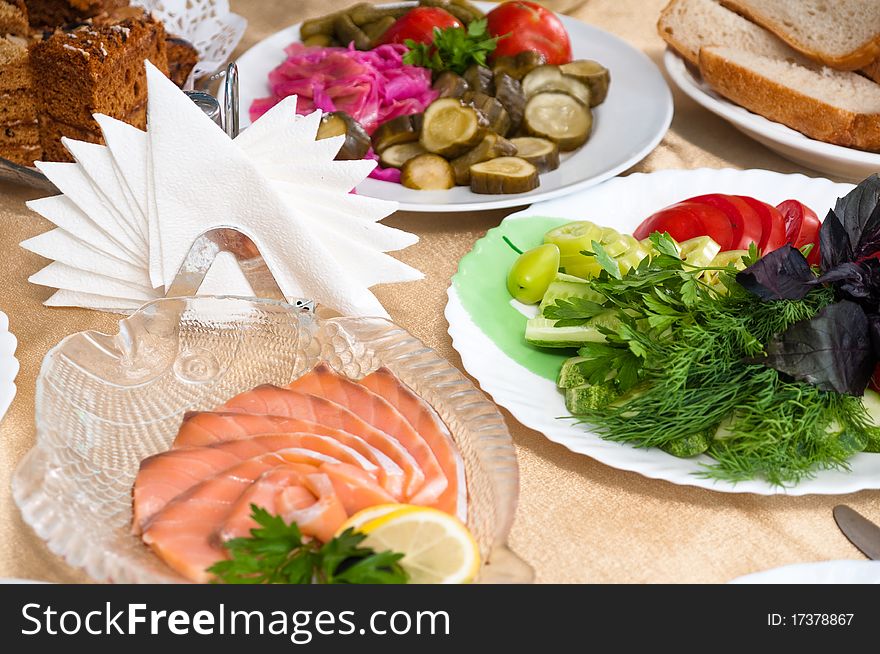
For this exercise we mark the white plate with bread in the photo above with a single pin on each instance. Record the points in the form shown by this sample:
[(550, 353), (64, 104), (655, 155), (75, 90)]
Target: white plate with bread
[(773, 80)]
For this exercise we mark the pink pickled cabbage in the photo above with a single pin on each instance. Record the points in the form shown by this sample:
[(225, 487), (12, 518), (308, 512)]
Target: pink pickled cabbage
[(371, 86)]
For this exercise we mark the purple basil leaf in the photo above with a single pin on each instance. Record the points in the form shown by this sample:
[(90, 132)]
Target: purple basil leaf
[(783, 274), (834, 244), (859, 281), (858, 213), (832, 351)]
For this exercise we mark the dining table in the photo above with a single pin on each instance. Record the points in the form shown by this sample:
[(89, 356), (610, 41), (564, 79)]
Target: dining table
[(577, 520)]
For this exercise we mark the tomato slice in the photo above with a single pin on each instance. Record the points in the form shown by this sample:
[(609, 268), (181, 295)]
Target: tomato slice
[(801, 227), (687, 220), (772, 225), (745, 221)]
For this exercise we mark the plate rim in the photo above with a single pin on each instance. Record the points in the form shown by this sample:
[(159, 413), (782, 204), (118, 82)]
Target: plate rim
[(511, 201), (760, 577), (742, 118), (461, 327)]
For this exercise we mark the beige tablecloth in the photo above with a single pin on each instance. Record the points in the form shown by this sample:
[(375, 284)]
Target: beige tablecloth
[(578, 520)]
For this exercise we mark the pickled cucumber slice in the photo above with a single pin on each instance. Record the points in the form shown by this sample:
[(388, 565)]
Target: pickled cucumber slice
[(450, 128), (550, 78), (493, 115), (558, 117), (397, 130), (541, 153), (509, 93), (480, 79), (491, 147), (427, 172), (520, 65), (504, 175), (450, 85), (339, 123), (397, 155), (591, 73)]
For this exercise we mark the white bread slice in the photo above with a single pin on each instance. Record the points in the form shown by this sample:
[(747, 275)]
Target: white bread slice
[(833, 106), (842, 34), (873, 71), (688, 25)]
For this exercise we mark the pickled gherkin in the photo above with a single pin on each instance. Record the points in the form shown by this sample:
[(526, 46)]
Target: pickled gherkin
[(397, 130), (450, 128), (427, 172), (491, 147), (541, 153), (591, 73), (559, 118), (504, 175)]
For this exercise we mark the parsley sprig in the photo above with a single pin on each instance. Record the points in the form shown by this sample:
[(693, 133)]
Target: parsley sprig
[(276, 554), (453, 48)]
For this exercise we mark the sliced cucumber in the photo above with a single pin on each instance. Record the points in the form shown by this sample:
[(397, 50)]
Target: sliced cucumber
[(450, 85), (427, 172), (395, 131), (509, 93), (582, 399), (481, 79), (491, 147), (591, 73), (520, 65), (397, 155), (541, 333), (450, 128), (871, 401), (688, 446), (339, 123), (550, 78), (565, 287), (492, 113), (569, 374), (558, 117), (541, 153), (504, 175)]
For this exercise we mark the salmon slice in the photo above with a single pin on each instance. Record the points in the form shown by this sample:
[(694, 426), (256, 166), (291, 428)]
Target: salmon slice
[(164, 476), (201, 429), (321, 381), (294, 494), (424, 419), (184, 533), (274, 401)]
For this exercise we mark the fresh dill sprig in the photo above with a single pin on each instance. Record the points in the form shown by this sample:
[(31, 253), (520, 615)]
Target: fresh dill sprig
[(686, 354)]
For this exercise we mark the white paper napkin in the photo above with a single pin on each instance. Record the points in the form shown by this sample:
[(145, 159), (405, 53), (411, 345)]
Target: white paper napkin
[(131, 209)]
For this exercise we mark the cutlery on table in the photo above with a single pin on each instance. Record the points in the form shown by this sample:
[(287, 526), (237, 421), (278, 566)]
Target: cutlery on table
[(860, 531)]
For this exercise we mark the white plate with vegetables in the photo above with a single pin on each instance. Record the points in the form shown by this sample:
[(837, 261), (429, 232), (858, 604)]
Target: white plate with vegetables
[(622, 130), (488, 329)]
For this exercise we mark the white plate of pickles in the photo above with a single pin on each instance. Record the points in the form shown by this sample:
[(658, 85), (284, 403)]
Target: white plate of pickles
[(625, 127)]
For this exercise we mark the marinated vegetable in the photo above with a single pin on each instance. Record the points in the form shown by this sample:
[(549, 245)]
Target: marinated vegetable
[(504, 175), (397, 130), (451, 85), (397, 155), (427, 172), (541, 153), (520, 65), (347, 32), (450, 128), (480, 79), (492, 113), (596, 77), (418, 25), (531, 27), (550, 78), (560, 118), (491, 147), (532, 272), (339, 123), (508, 91)]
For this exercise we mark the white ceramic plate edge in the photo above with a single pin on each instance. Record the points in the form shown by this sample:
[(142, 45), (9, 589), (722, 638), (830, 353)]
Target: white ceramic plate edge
[(662, 98), (8, 365), (503, 379), (820, 572)]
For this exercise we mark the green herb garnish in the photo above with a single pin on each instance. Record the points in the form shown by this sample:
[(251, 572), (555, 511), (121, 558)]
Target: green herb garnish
[(276, 554), (687, 359), (453, 48)]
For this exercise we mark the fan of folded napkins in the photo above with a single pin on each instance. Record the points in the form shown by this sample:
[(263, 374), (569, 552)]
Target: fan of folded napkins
[(131, 209)]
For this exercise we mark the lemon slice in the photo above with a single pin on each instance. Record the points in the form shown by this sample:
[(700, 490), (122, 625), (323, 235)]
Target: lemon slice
[(364, 516), (437, 547)]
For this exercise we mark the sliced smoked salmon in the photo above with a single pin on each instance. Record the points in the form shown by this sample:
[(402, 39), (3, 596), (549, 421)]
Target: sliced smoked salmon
[(201, 429), (165, 476), (424, 419), (274, 401), (321, 381)]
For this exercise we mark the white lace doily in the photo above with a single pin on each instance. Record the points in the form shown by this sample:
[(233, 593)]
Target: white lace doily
[(208, 24)]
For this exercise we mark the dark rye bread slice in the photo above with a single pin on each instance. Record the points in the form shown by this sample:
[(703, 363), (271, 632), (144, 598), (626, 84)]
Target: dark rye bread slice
[(55, 13), (833, 106), (13, 18), (842, 34)]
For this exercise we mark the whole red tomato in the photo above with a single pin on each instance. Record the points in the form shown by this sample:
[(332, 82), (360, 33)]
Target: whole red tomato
[(529, 26), (418, 25)]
